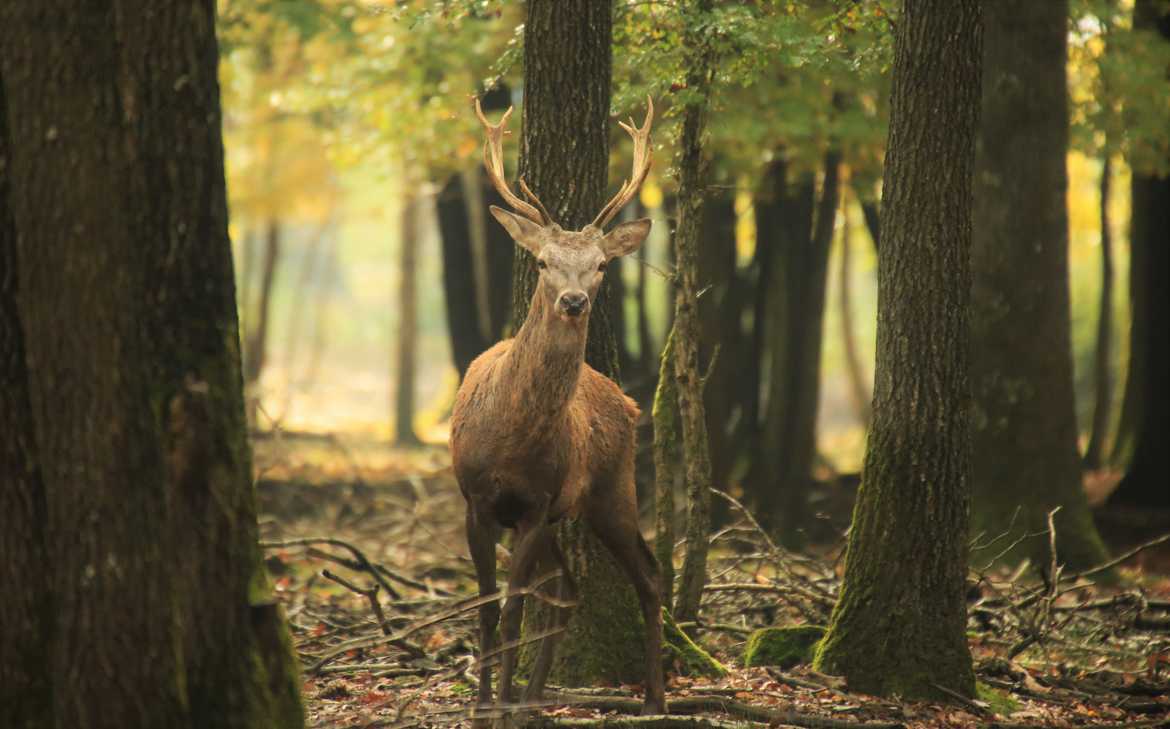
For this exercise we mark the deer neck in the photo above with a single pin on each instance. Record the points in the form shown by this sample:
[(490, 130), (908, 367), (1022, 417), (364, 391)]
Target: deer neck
[(547, 356)]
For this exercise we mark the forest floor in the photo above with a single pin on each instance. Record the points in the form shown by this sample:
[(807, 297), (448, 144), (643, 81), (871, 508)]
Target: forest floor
[(365, 547)]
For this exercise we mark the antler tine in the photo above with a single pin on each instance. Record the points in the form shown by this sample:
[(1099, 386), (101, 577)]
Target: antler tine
[(493, 162), (641, 167)]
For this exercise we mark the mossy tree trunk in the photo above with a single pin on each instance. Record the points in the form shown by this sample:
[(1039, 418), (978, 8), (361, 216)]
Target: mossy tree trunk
[(899, 624), (1025, 429), (564, 158), (1146, 407), (692, 168), (159, 614)]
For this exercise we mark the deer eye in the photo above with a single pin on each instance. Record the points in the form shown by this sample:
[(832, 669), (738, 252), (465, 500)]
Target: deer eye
[(601, 266), (541, 265)]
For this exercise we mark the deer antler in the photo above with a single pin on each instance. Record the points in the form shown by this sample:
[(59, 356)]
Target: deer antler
[(493, 162), (641, 167)]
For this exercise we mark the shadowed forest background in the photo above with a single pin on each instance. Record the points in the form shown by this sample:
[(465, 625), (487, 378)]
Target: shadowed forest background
[(897, 336)]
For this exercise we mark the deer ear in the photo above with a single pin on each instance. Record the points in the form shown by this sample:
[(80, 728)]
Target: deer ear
[(523, 231), (625, 238)]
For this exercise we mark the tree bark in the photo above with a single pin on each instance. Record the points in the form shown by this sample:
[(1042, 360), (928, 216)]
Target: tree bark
[(564, 158), (1025, 429), (899, 626), (160, 613), (692, 172), (404, 434), (1102, 370), (1146, 406), (26, 697)]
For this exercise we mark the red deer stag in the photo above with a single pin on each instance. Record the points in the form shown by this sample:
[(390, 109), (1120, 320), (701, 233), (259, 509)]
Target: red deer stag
[(538, 435)]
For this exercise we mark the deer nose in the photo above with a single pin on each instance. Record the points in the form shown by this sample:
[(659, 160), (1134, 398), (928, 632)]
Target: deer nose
[(574, 303)]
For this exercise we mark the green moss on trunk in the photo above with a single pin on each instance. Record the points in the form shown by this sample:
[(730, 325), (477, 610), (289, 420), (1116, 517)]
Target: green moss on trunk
[(784, 647), (687, 656)]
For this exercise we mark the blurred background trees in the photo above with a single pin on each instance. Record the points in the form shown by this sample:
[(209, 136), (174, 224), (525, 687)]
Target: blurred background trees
[(340, 113)]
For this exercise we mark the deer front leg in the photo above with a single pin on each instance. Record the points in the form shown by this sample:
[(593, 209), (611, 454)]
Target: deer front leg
[(482, 536)]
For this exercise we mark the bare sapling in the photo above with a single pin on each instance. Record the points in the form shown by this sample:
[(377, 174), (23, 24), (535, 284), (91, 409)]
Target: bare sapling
[(538, 435)]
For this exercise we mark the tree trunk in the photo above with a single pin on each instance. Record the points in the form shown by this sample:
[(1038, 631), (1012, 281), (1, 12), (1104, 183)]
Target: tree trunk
[(646, 348), (666, 459), (720, 308), (564, 158), (160, 615), (1025, 429), (404, 434), (782, 467), (26, 692), (1103, 375), (256, 343), (692, 173), (899, 626), (1146, 407), (459, 282), (858, 379)]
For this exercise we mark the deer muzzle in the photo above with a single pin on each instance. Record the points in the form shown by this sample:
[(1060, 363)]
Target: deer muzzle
[(573, 303)]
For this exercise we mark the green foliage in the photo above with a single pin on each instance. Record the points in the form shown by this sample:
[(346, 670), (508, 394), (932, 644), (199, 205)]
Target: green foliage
[(789, 76), (784, 647), (1119, 86)]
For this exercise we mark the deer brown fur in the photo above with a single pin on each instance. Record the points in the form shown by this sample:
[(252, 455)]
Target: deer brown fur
[(538, 435)]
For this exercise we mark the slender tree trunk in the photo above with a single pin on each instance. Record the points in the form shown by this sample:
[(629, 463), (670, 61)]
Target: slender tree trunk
[(1103, 376), (1025, 429), (858, 380), (899, 626), (564, 159), (720, 308), (645, 341), (692, 171), (666, 459), (459, 281), (783, 465), (158, 612), (407, 346), (1145, 413), (255, 349)]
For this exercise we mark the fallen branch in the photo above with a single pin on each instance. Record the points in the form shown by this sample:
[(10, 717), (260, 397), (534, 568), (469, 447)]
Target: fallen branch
[(720, 704)]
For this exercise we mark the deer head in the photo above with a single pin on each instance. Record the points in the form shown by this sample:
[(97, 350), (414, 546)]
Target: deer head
[(571, 263)]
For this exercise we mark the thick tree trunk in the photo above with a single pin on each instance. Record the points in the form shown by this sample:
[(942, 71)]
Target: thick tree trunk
[(407, 344), (1146, 408), (1025, 429), (782, 468), (692, 172), (899, 626), (160, 616), (858, 378), (26, 694), (1102, 374), (564, 158)]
